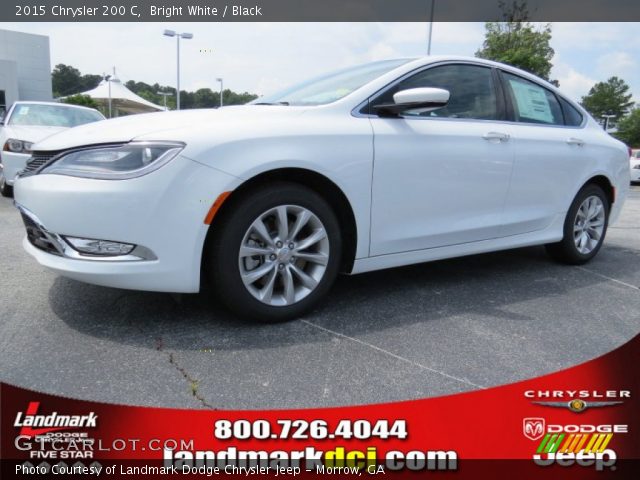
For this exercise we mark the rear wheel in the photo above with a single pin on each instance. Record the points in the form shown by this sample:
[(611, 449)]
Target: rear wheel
[(584, 227), (276, 253)]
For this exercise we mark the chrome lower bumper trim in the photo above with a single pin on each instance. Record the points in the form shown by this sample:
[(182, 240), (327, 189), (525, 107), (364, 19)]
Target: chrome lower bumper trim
[(63, 249)]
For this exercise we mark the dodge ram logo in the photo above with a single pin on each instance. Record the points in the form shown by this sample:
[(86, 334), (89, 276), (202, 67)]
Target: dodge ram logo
[(533, 428)]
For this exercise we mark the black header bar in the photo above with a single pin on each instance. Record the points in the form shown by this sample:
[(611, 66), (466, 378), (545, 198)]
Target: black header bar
[(310, 10)]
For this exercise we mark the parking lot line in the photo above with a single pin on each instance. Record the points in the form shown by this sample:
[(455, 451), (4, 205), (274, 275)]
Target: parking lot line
[(397, 357), (635, 287)]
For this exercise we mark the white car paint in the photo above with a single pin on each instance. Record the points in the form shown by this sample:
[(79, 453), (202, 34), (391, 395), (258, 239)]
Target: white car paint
[(419, 190), (13, 162)]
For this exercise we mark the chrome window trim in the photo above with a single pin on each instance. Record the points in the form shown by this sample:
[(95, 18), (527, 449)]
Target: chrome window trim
[(355, 112)]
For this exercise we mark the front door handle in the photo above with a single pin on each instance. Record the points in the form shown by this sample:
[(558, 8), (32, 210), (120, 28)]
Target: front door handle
[(575, 141), (499, 136)]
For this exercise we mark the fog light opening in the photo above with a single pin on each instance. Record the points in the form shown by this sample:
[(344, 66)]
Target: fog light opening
[(99, 248)]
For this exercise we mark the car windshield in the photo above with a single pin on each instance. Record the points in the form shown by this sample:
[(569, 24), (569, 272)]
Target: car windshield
[(332, 87), (637, 154), (33, 114)]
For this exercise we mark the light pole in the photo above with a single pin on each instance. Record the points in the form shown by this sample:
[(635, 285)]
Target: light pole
[(433, 5), (186, 36), (108, 79), (164, 98), (606, 121), (221, 90)]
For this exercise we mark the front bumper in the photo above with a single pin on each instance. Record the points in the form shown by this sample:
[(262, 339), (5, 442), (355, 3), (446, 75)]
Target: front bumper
[(635, 174), (52, 243), (12, 163), (162, 213)]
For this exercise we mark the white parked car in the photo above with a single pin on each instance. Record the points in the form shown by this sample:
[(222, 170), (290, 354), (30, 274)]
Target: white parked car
[(29, 122), (376, 166), (634, 166)]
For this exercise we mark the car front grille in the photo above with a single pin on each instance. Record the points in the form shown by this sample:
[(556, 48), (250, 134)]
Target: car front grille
[(37, 160), (38, 237)]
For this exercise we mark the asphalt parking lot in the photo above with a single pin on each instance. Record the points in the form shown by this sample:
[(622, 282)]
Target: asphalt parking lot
[(413, 332)]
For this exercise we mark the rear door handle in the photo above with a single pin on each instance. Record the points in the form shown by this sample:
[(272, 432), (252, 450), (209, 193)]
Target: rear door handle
[(499, 136), (575, 141)]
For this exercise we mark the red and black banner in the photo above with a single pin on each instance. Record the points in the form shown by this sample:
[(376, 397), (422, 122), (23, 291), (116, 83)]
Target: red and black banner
[(582, 422)]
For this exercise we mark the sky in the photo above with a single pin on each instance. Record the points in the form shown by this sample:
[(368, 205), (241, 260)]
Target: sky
[(265, 57)]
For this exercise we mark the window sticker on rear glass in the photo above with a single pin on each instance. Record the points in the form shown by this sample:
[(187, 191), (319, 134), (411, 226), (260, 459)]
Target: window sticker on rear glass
[(532, 102)]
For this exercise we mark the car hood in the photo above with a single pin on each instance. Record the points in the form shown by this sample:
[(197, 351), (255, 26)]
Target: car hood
[(30, 133), (175, 126)]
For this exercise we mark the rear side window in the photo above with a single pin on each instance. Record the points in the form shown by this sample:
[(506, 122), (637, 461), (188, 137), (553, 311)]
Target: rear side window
[(532, 103), (572, 117), (471, 88)]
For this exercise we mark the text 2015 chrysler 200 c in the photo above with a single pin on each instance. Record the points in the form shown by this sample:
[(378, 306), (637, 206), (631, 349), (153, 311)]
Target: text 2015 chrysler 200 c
[(381, 165)]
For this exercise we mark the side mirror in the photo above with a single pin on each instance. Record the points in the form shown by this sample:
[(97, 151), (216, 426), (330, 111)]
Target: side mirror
[(417, 99)]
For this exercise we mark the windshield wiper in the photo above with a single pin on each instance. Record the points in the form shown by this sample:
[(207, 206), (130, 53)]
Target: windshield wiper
[(272, 103)]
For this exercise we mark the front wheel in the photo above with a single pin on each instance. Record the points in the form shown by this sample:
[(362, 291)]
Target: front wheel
[(6, 190), (275, 253), (584, 227)]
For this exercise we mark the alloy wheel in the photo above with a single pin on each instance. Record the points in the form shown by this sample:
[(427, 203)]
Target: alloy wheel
[(284, 255), (588, 225)]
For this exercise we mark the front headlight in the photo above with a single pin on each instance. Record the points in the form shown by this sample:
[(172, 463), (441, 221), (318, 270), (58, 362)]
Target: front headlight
[(17, 146), (115, 163)]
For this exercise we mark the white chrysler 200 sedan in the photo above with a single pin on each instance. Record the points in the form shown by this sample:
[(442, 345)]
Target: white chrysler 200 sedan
[(376, 166)]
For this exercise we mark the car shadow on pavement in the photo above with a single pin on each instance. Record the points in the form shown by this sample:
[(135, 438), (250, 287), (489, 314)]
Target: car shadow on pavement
[(478, 286)]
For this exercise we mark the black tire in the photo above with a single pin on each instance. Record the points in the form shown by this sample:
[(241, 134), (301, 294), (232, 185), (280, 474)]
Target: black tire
[(228, 231), (566, 250), (6, 190)]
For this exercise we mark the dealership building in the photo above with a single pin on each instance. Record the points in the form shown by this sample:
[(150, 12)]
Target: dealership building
[(25, 67)]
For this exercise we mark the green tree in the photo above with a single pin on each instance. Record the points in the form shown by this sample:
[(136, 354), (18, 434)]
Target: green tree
[(84, 100), (517, 42), (206, 98), (89, 82), (629, 129), (65, 80), (233, 98), (608, 98), (68, 80)]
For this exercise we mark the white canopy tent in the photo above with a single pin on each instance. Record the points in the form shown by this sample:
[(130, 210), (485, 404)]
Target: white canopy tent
[(122, 99)]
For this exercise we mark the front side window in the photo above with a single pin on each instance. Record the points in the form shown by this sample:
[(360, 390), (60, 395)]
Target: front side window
[(531, 102), (52, 115), (471, 88)]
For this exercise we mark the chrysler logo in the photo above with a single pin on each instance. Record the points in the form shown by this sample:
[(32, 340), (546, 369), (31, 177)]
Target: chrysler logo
[(577, 405), (533, 428)]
